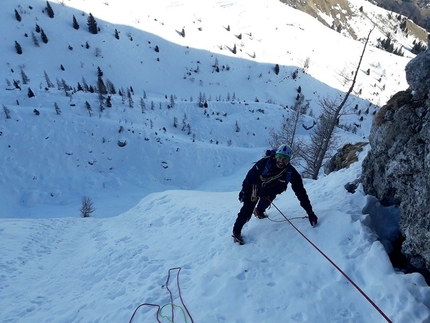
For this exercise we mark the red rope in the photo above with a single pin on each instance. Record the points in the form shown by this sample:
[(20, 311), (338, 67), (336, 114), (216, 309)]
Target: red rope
[(179, 292), (171, 299), (146, 304), (340, 270)]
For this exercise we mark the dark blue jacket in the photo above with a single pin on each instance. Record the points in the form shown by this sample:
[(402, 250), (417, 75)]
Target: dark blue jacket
[(272, 180)]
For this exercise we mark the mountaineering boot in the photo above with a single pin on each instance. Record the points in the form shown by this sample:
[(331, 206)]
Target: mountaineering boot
[(260, 215), (237, 237)]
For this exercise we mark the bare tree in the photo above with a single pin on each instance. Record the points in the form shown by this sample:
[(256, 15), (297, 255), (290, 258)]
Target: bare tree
[(306, 64), (344, 76), (322, 139), (87, 207), (288, 132)]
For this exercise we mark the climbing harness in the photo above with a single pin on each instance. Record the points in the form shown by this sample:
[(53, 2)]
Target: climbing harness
[(265, 181)]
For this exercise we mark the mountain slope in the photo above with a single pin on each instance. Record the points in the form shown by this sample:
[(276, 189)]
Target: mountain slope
[(164, 171), (355, 18), (185, 69), (272, 38)]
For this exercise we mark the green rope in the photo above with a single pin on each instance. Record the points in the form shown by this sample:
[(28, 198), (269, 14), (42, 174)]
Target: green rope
[(167, 318)]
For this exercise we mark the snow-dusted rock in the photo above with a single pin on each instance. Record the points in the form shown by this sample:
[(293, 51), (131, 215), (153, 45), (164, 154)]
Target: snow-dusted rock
[(397, 168)]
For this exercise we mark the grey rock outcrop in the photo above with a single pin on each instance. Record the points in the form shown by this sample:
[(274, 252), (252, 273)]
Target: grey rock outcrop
[(344, 157), (418, 75), (397, 168)]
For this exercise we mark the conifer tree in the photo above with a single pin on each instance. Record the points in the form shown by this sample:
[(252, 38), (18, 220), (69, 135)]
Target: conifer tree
[(184, 122), (92, 24), (57, 109), (130, 99), (49, 10), (37, 28), (101, 100), (110, 87), (30, 93), (116, 34), (6, 111), (75, 23), (17, 15), (418, 47), (99, 72), (43, 36), (88, 107), (237, 127), (16, 84), (18, 48), (24, 77), (49, 84), (85, 85), (65, 87), (101, 87), (108, 101), (142, 105)]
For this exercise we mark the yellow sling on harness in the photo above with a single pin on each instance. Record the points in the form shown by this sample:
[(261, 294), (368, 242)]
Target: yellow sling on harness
[(265, 181)]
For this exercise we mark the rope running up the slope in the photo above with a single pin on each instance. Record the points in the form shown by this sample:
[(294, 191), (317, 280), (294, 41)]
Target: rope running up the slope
[(340, 270)]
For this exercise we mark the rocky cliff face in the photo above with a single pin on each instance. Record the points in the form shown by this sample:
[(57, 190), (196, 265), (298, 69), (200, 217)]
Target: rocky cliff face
[(397, 168)]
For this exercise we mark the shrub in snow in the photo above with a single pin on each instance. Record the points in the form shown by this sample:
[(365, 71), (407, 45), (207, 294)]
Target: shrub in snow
[(87, 207)]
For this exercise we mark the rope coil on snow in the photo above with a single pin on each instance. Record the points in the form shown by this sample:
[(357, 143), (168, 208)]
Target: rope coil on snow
[(160, 308)]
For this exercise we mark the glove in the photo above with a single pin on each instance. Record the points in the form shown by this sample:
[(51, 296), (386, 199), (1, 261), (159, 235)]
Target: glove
[(313, 219), (242, 195)]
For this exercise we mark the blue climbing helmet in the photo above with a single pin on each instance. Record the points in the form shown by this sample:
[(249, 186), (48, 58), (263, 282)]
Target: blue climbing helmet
[(284, 151)]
